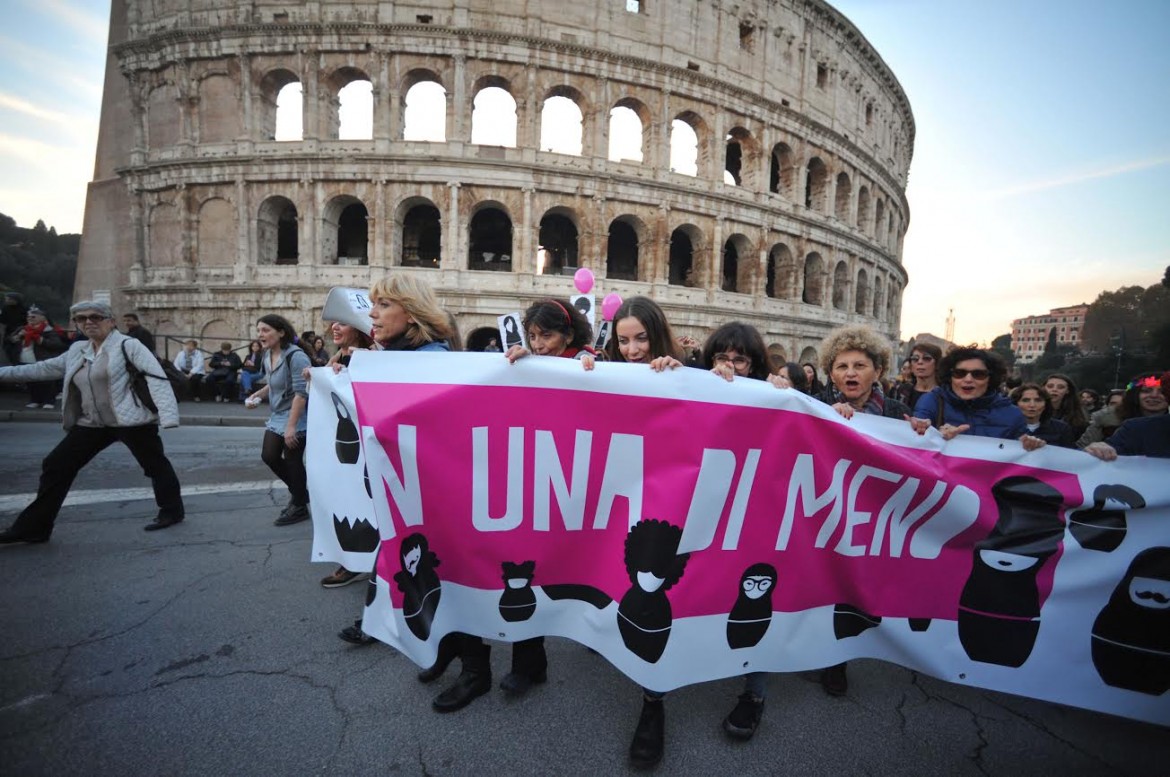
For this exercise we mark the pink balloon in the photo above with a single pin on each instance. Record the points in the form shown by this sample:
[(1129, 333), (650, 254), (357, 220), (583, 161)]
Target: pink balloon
[(583, 280), (610, 305)]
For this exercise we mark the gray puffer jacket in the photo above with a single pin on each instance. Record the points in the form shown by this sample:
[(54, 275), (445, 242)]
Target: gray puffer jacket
[(127, 409)]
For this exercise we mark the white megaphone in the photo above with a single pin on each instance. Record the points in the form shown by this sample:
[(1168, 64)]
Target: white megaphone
[(348, 306)]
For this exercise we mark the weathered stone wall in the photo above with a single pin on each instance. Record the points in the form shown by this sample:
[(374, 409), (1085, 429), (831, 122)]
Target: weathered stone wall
[(184, 212)]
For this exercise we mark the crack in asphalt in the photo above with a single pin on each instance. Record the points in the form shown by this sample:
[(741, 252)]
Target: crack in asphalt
[(976, 754), (1039, 726)]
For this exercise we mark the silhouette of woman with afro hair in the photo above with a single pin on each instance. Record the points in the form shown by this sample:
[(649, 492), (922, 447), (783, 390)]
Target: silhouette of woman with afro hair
[(654, 566)]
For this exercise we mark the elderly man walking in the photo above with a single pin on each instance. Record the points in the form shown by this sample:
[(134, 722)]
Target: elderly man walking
[(101, 408)]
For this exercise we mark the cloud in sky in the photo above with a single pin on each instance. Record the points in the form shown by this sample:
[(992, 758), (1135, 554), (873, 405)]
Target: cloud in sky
[(1073, 179), (89, 25)]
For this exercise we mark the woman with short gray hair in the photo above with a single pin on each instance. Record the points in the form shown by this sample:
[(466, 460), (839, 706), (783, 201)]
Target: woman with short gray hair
[(101, 407)]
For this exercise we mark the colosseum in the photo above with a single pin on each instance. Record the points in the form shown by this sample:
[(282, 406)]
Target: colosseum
[(731, 159)]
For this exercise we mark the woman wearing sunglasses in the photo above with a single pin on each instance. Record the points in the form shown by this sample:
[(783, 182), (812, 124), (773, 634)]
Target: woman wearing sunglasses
[(924, 361), (968, 401)]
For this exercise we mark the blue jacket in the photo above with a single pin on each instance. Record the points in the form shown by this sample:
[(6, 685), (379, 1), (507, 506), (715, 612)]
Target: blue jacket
[(991, 415), (1143, 437)]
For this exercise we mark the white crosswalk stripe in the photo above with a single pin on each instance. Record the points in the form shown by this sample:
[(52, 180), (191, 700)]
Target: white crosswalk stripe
[(13, 502)]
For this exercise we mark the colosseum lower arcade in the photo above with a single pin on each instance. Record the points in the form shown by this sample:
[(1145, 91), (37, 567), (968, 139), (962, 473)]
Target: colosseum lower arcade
[(230, 181)]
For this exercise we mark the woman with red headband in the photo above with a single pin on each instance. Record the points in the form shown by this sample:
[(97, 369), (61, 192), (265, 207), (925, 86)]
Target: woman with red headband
[(1147, 434), (555, 328), (1142, 398)]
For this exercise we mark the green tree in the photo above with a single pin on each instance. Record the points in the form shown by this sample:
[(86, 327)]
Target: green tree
[(1002, 346)]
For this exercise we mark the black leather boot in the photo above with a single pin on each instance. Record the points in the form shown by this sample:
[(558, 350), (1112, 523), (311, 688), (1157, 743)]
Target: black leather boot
[(650, 735), (448, 651), (474, 681), (529, 667)]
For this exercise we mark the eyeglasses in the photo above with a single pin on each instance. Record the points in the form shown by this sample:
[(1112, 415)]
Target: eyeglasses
[(92, 318), (737, 361), (762, 583), (976, 374), (921, 357)]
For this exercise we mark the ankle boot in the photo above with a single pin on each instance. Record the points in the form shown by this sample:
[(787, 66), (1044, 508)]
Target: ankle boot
[(448, 651), (529, 667), (650, 735)]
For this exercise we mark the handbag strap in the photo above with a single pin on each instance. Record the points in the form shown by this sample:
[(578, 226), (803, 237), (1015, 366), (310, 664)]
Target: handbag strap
[(130, 365)]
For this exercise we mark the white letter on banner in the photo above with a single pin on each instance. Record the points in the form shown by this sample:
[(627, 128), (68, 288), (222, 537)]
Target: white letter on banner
[(902, 521), (855, 517), (514, 512), (743, 490), (710, 495), (406, 491), (548, 475), (960, 511), (623, 477), (802, 484)]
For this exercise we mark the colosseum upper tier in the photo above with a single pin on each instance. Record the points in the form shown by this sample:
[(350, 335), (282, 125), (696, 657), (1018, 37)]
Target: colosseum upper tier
[(786, 210)]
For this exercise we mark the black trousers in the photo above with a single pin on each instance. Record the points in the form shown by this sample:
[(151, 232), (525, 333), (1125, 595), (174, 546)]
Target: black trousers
[(79, 446), (288, 464)]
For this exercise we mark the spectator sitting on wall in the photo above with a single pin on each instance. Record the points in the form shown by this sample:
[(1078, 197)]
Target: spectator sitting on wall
[(135, 329), (225, 365), (190, 362)]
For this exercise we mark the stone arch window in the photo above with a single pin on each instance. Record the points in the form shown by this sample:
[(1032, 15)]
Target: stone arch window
[(861, 305), (162, 111), (424, 108), (737, 265), (781, 281), (490, 239), (345, 232), (684, 144), (893, 303), (891, 233), (684, 244), (740, 158), (562, 123), (627, 131), (862, 207), (216, 233), (879, 211), (281, 109), (869, 114), (816, 184), (814, 279), (276, 231), (841, 286), (219, 109), (809, 356), (422, 233), (484, 338), (621, 256), (493, 115), (783, 171), (350, 109), (878, 298), (844, 192), (557, 242), (166, 228)]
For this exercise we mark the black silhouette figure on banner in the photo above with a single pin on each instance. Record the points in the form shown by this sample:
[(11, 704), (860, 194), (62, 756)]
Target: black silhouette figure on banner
[(511, 332), (919, 624), (361, 537), (999, 608), (654, 565), (583, 304), (1098, 528), (366, 481), (518, 601), (751, 615), (419, 584), (849, 621), (348, 448), (1131, 636)]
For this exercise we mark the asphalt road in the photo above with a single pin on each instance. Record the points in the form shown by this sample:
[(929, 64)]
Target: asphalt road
[(210, 648)]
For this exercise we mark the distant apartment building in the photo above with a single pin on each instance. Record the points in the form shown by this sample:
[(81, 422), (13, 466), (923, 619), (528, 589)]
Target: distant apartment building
[(1030, 334)]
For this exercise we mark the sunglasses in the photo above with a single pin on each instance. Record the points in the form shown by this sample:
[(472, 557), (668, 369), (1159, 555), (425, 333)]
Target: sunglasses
[(92, 318), (921, 358), (738, 361), (976, 374)]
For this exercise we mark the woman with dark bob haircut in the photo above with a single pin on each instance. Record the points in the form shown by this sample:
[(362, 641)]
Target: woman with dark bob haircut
[(1035, 403), (736, 349), (967, 400)]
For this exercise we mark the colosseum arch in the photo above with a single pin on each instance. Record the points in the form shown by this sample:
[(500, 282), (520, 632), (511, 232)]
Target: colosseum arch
[(629, 120), (782, 273), (349, 110), (562, 121), (844, 194), (490, 238), (162, 116), (493, 115), (816, 185), (166, 236), (622, 255), (219, 109), (863, 208), (879, 219), (879, 299), (424, 106), (688, 138), (741, 158), (215, 332), (280, 105), (736, 267), (557, 241), (814, 280), (841, 285), (277, 231), (345, 231), (809, 356), (861, 303), (216, 234), (686, 247), (782, 172), (422, 232)]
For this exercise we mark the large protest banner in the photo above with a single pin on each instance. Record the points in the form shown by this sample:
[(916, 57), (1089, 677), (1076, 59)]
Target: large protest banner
[(690, 529)]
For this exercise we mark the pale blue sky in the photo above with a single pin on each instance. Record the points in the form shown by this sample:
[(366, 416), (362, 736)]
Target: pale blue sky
[(1041, 169)]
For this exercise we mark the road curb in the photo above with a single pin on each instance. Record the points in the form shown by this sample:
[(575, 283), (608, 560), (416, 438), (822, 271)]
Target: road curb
[(51, 416)]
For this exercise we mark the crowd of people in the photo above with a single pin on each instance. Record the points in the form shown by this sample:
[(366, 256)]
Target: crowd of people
[(966, 391)]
